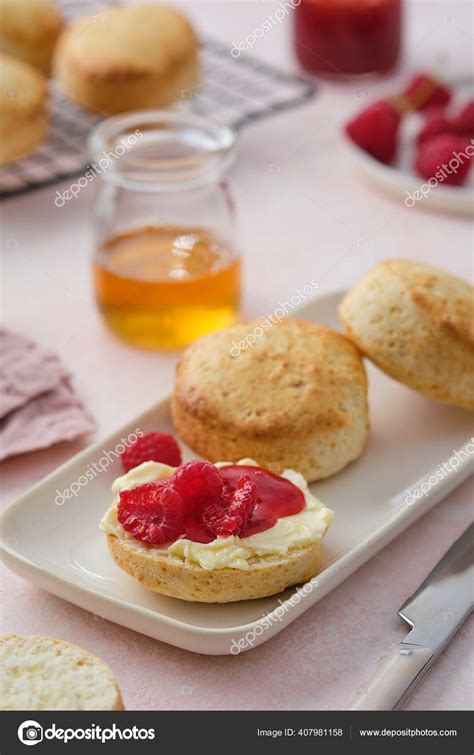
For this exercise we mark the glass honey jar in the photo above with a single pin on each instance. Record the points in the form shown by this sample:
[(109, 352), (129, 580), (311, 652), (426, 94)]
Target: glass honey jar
[(166, 265)]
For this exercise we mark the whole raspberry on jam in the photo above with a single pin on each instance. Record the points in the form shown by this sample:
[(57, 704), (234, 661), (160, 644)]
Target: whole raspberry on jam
[(194, 528), (435, 123), (441, 158), (232, 512), (217, 520), (152, 447), (152, 512), (196, 481), (242, 501), (375, 130)]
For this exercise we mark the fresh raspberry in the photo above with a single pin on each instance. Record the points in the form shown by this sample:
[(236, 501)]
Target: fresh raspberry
[(194, 528), (242, 501), (218, 521), (435, 123), (152, 512), (424, 91), (230, 514), (152, 447), (438, 155), (197, 480), (375, 130), (463, 122)]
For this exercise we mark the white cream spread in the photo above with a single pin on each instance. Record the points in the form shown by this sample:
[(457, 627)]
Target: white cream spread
[(288, 533)]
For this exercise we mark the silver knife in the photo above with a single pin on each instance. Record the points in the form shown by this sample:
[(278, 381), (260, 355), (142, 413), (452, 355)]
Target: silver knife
[(435, 612)]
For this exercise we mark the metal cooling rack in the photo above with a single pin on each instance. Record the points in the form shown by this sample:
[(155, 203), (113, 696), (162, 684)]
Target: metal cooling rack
[(235, 91)]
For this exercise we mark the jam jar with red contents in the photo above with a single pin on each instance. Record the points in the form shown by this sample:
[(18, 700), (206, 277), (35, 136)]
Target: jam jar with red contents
[(348, 36)]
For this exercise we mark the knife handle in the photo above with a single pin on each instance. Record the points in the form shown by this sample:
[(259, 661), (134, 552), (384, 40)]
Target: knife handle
[(397, 677)]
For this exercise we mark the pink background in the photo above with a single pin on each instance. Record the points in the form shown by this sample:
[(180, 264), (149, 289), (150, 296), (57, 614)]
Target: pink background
[(304, 213)]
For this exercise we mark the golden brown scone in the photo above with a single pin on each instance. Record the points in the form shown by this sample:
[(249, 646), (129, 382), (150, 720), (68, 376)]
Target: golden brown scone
[(296, 399), (29, 30), (417, 324), (170, 576), (23, 115), (128, 58), (41, 673)]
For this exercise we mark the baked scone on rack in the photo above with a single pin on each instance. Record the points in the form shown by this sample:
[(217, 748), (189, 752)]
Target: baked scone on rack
[(130, 57), (416, 323), (215, 533), (29, 30), (23, 109)]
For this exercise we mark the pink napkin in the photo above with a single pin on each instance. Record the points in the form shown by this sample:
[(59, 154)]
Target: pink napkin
[(26, 371), (38, 406)]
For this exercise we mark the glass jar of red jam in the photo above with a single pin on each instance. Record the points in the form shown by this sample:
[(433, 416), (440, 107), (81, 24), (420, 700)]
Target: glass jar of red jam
[(348, 36)]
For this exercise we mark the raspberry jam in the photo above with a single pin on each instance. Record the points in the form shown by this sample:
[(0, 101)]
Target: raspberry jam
[(348, 36), (276, 498), (200, 502)]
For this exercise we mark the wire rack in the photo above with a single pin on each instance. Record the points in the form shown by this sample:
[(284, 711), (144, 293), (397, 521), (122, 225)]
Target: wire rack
[(235, 91)]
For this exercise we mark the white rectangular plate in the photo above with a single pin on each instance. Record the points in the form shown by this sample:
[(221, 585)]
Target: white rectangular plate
[(60, 548)]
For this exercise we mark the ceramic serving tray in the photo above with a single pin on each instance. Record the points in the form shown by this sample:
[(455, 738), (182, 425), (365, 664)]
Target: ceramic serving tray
[(417, 453)]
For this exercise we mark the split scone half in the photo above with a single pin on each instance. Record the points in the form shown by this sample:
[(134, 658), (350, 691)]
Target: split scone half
[(228, 568), (41, 673), (416, 323)]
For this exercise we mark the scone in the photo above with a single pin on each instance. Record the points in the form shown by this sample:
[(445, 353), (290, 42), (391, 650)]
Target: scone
[(211, 554), (29, 30), (23, 114), (191, 582), (128, 58), (39, 673), (417, 324), (295, 398)]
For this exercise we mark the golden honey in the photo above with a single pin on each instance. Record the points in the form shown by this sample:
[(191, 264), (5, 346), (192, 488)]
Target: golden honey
[(162, 287)]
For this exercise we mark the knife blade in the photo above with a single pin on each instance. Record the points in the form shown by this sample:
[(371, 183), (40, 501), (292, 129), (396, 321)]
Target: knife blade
[(434, 612)]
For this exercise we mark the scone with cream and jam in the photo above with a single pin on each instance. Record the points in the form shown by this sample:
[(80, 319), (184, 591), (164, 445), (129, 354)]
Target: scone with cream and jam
[(215, 532)]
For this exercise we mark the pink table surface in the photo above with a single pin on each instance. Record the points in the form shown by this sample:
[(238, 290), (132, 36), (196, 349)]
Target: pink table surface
[(304, 213)]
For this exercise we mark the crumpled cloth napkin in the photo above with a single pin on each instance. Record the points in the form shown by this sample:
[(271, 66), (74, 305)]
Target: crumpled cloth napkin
[(38, 406)]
